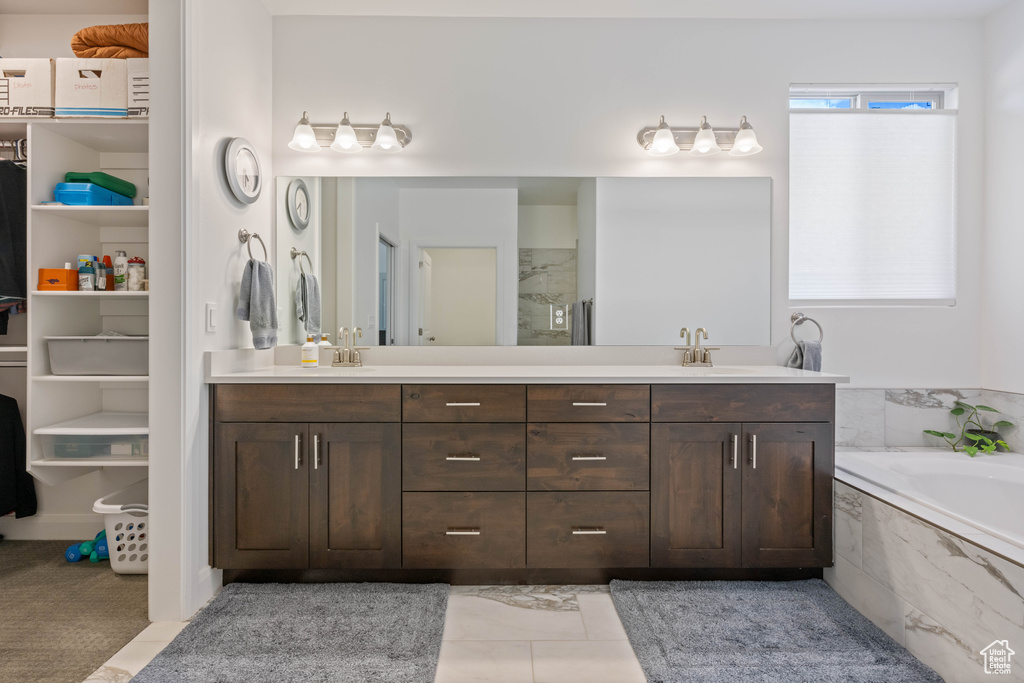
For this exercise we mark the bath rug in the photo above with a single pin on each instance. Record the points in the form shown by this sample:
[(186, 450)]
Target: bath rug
[(727, 631), (313, 633)]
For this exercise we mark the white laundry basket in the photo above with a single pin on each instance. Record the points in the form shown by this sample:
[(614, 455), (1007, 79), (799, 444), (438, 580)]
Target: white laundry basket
[(126, 519)]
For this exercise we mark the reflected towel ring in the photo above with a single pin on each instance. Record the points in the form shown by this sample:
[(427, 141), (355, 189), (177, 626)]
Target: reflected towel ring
[(800, 319), (296, 254), (246, 237)]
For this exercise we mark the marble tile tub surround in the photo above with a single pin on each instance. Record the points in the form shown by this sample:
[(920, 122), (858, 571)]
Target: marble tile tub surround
[(898, 417), (546, 277), (940, 596)]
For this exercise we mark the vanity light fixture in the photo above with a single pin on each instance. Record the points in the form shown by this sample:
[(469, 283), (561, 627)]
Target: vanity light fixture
[(702, 141), (347, 137)]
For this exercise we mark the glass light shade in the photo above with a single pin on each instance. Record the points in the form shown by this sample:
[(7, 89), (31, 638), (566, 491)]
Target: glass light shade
[(304, 139), (386, 140), (705, 144), (664, 142), (345, 140), (746, 141)]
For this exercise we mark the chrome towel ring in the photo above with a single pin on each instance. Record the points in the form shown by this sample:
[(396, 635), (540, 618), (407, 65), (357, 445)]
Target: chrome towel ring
[(296, 254), (246, 238), (800, 319)]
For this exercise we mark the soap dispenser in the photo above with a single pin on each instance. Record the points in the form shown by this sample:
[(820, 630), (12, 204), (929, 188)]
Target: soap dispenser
[(310, 353)]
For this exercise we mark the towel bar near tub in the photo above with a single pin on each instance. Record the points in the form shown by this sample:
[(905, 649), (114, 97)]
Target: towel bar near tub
[(246, 238), (800, 319), (296, 254)]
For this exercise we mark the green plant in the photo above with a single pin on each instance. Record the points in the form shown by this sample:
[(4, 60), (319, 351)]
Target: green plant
[(967, 418)]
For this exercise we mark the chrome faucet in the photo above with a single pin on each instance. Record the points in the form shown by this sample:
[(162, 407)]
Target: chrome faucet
[(348, 356), (695, 356), (688, 349)]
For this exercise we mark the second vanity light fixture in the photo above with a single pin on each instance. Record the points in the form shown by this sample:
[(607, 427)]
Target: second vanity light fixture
[(348, 138), (702, 141)]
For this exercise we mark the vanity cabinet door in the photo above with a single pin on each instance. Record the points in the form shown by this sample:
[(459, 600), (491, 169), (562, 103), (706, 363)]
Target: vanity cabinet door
[(787, 495), (695, 495), (261, 496), (355, 496)]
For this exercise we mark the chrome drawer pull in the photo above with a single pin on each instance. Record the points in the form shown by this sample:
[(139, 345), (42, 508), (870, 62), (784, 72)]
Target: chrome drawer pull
[(316, 451), (589, 457), (735, 451), (298, 458), (753, 450), (462, 405), (464, 457), (589, 405), (588, 531), (471, 531)]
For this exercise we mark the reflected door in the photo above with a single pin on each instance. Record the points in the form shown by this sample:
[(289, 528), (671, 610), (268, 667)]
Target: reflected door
[(426, 297)]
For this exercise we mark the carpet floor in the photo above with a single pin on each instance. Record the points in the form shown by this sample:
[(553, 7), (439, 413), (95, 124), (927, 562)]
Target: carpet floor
[(792, 632), (59, 621), (313, 633)]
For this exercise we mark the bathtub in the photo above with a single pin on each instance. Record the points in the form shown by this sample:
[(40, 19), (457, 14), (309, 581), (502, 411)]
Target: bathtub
[(985, 492)]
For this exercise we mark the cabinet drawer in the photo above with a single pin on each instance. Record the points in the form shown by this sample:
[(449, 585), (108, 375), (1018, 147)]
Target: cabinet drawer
[(588, 457), (463, 530), (588, 529), (308, 402), (743, 403), (464, 403), (589, 403), (463, 457)]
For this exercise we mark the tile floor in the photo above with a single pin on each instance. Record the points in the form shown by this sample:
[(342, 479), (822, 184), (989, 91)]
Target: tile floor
[(504, 634)]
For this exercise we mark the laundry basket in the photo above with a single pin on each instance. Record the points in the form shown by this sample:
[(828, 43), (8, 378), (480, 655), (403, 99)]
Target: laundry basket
[(126, 519)]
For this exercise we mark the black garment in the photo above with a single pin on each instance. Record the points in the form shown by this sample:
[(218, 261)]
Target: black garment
[(17, 489), (13, 196)]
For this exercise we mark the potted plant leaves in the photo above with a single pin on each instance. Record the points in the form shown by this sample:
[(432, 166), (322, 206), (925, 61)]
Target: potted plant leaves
[(974, 437)]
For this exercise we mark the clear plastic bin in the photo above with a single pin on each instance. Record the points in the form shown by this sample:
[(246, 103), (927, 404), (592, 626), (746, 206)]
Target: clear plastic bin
[(126, 519), (95, 446), (99, 355)]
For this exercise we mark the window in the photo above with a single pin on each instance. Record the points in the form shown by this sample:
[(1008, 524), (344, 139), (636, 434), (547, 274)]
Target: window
[(872, 199)]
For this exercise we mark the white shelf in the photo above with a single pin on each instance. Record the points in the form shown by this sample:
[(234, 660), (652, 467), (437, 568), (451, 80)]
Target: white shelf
[(106, 216), (13, 349), (104, 423), (101, 294), (92, 463), (91, 378)]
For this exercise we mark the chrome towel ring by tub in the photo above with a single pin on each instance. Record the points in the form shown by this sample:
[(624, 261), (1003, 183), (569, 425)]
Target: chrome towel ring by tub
[(246, 238), (800, 319), (296, 254)]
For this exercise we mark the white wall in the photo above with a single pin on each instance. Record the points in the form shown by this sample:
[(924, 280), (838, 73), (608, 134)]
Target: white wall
[(49, 35), (291, 330), (1003, 317), (551, 99), (547, 227), (466, 276)]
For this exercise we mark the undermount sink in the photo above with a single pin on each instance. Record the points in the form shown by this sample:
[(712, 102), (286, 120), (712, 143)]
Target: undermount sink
[(734, 370), (353, 370)]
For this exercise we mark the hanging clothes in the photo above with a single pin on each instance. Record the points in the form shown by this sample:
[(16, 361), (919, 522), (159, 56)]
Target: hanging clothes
[(17, 488), (13, 197)]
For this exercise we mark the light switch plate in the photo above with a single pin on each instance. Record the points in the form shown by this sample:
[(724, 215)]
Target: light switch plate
[(211, 316)]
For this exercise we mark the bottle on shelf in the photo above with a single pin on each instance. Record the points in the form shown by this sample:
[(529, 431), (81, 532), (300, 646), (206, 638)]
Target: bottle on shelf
[(109, 267), (310, 353), (324, 341), (121, 271)]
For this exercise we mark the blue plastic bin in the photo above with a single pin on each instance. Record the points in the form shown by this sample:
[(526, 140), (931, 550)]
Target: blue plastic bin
[(87, 194)]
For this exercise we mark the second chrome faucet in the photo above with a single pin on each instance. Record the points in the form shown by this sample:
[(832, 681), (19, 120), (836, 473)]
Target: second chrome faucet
[(348, 356), (695, 356)]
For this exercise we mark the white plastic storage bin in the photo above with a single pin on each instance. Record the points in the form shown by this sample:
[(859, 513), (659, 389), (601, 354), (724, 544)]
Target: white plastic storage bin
[(99, 355), (105, 435), (126, 519)]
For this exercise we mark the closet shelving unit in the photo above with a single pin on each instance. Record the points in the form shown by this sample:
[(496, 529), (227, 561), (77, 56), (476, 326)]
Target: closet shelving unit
[(86, 405)]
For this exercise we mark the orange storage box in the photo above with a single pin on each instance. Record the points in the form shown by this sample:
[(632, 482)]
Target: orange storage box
[(57, 280)]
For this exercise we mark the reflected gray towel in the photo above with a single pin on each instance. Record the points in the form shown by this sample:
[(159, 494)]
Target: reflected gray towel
[(307, 303), (256, 303), (806, 356), (580, 324)]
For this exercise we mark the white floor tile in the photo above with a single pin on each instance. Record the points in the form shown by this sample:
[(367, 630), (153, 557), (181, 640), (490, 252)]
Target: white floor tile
[(162, 631), (600, 618), (586, 662), (474, 618), (496, 661)]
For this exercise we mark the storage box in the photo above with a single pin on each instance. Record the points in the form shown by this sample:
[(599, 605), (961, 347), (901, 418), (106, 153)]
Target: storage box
[(138, 88), (99, 355), (57, 280), (87, 194), (26, 87), (91, 87), (63, 446)]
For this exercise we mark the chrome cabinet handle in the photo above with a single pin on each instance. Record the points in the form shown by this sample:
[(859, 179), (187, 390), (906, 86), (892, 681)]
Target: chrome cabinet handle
[(469, 531), (589, 405), (463, 457), (462, 405), (753, 450), (735, 451), (316, 451), (298, 458), (588, 531), (589, 457)]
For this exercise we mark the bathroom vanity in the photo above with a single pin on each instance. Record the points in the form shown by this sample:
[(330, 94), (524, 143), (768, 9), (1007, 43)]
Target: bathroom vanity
[(521, 473)]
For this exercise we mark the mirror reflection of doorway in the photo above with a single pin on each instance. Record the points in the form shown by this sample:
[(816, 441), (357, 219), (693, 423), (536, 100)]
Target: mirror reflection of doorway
[(457, 296), (386, 297)]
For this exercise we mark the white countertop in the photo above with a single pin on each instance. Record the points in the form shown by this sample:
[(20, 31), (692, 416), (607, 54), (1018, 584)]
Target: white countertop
[(526, 374)]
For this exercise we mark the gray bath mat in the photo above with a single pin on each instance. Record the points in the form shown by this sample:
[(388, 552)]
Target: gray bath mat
[(313, 633), (792, 632)]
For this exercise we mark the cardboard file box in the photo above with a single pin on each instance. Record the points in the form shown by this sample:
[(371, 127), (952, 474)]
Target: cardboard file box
[(26, 87), (91, 87), (138, 88)]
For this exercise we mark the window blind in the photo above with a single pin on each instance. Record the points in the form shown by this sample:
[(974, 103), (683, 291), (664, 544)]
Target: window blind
[(872, 205)]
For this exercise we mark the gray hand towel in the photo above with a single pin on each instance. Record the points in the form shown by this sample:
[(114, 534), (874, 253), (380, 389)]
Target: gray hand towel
[(256, 303), (580, 333), (806, 356), (307, 303)]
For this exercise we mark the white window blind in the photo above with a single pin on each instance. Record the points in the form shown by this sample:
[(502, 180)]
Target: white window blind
[(872, 204)]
